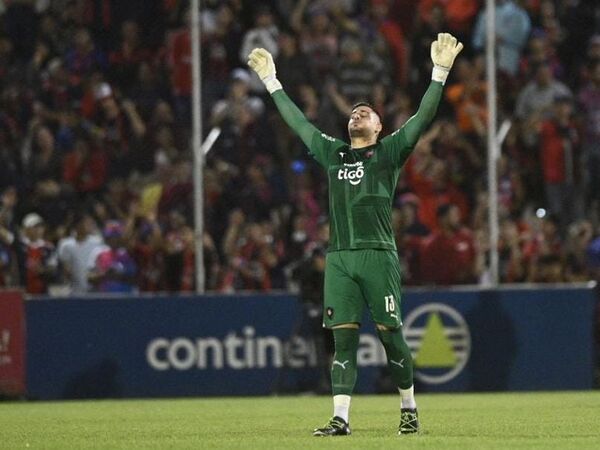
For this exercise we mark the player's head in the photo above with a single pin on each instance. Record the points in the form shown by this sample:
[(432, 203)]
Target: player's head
[(364, 121)]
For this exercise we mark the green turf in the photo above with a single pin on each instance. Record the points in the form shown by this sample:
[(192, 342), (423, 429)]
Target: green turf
[(461, 421)]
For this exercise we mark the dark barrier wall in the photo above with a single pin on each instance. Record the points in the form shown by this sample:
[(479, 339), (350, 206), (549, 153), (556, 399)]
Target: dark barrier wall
[(509, 339)]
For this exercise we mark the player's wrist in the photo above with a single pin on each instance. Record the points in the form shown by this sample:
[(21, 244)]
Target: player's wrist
[(440, 74), (272, 83)]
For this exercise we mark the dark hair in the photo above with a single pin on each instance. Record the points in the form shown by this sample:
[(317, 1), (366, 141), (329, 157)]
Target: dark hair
[(368, 105)]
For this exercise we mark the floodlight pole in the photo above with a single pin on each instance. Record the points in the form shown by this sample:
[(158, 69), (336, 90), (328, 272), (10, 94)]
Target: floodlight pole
[(196, 146), (492, 141)]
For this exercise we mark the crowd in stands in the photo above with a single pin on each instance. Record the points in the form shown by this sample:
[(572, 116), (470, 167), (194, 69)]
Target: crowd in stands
[(96, 181)]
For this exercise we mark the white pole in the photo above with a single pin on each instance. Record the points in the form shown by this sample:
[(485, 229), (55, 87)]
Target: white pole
[(196, 144), (492, 142)]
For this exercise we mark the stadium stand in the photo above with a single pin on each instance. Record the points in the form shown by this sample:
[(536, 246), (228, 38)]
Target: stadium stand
[(95, 117)]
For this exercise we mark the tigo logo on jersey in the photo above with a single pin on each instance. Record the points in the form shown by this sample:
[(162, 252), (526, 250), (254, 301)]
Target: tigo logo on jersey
[(439, 339), (352, 172)]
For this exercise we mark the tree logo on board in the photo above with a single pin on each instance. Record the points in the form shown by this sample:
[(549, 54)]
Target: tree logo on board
[(440, 342)]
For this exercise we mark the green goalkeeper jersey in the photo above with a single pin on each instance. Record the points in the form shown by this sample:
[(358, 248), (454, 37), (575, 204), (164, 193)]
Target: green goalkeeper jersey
[(362, 182)]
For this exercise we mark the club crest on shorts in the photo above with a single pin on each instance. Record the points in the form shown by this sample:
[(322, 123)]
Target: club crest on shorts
[(329, 312)]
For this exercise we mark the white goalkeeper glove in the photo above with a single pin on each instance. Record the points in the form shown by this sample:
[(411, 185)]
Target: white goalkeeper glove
[(443, 53), (261, 61)]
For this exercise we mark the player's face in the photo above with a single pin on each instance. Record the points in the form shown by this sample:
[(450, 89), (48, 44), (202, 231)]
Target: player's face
[(364, 122)]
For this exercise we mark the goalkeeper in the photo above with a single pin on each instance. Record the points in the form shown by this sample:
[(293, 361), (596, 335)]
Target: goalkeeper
[(362, 266)]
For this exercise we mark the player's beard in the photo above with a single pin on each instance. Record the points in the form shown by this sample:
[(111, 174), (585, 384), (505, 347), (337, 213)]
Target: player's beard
[(361, 132)]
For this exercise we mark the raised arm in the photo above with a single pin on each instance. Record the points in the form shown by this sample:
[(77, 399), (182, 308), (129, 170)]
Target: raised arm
[(262, 63), (443, 52), (417, 124)]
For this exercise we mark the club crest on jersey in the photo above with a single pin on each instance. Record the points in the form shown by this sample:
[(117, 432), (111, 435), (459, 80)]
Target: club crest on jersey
[(352, 172)]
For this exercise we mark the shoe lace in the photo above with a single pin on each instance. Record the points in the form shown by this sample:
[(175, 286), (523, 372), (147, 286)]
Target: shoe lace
[(334, 423)]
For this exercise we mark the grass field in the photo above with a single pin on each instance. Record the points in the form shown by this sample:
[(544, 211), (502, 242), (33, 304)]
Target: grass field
[(463, 421)]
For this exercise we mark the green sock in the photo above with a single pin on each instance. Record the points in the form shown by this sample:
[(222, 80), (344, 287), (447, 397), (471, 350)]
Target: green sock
[(343, 369), (399, 357)]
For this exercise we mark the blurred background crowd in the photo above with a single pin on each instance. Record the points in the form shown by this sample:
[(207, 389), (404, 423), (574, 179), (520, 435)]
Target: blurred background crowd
[(96, 189)]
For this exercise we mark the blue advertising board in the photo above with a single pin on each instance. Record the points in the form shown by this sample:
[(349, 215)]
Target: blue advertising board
[(508, 339)]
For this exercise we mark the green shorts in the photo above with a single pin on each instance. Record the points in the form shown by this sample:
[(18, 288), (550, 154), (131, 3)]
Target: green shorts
[(355, 278)]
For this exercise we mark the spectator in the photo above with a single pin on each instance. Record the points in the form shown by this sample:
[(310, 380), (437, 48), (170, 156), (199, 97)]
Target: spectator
[(560, 156), (510, 250), (95, 114), (238, 97), (8, 238), (43, 160), (318, 38), (459, 13), (537, 95), (125, 61), (147, 251), (410, 233), (85, 167), (536, 98), (539, 51), (179, 59), (179, 254), (550, 269), (512, 30), (120, 128), (589, 101), (76, 252), (394, 37), (220, 49), (263, 35), (113, 269), (83, 57), (40, 262), (544, 242), (291, 64), (454, 245), (468, 97), (356, 75), (579, 236)]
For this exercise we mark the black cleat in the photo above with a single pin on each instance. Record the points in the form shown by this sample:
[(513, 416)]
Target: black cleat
[(409, 421), (335, 427)]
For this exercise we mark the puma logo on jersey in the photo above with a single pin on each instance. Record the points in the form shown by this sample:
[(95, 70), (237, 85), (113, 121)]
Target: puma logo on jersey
[(342, 365), (352, 172), (397, 363)]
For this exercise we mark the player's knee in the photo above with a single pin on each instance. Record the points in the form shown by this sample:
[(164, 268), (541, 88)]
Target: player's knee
[(346, 341)]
